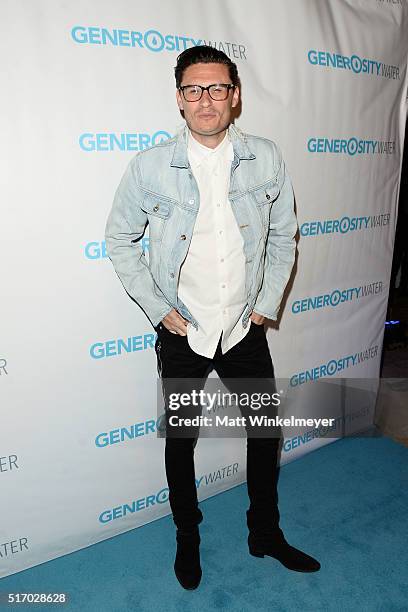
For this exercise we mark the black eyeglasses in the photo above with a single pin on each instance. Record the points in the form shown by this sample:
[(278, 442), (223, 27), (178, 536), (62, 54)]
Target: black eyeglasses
[(217, 91)]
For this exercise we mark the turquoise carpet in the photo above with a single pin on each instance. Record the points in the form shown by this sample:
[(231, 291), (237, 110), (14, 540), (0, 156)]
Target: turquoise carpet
[(346, 504)]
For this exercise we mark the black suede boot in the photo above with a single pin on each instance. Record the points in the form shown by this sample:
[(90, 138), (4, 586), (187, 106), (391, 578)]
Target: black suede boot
[(273, 544), (187, 564)]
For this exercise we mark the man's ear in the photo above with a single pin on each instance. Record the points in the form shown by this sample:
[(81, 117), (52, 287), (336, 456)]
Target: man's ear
[(179, 99), (235, 97)]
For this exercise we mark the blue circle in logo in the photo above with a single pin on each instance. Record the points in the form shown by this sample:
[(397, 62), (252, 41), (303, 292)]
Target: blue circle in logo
[(332, 367), (356, 64), (162, 496), (160, 136), (352, 146), (335, 297), (153, 40), (344, 225)]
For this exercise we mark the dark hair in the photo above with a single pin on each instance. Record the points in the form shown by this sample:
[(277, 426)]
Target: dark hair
[(204, 54)]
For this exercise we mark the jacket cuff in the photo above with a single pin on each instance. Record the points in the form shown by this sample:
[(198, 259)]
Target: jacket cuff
[(156, 320)]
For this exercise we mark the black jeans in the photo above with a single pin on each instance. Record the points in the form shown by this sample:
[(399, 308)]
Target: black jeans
[(250, 358)]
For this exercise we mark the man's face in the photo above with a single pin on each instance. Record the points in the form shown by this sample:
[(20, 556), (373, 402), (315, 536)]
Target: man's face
[(207, 117)]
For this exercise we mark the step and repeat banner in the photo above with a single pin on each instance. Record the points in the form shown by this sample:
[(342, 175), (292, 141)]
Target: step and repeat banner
[(85, 86)]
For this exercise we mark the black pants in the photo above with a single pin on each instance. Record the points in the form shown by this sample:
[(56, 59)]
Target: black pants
[(250, 358)]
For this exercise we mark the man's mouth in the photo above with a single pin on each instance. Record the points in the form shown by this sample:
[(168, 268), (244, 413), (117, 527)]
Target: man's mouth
[(206, 115)]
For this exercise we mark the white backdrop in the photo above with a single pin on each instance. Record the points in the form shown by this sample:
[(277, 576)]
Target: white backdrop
[(85, 85)]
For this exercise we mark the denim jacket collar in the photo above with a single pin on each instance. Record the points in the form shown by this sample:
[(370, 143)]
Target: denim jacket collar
[(239, 145)]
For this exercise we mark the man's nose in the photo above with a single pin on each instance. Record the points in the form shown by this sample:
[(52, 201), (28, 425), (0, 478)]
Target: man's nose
[(206, 99)]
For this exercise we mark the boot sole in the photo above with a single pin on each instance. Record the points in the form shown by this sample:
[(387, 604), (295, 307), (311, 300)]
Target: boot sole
[(258, 554)]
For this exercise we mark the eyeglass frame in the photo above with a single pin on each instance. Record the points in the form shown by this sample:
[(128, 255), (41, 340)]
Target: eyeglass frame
[(229, 86)]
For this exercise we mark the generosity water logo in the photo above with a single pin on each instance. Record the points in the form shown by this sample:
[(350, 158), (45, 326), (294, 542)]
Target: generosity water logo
[(97, 249), (336, 297), (123, 141), (150, 40), (131, 432), (3, 366), (161, 497), (353, 63), (399, 3), (10, 548), (320, 432), (8, 463), (350, 146), (344, 225), (333, 366), (142, 503), (120, 346)]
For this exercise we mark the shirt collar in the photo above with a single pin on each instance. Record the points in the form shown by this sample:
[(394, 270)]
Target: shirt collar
[(238, 139), (198, 153)]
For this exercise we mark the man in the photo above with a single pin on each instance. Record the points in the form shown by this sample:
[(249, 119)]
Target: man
[(219, 205)]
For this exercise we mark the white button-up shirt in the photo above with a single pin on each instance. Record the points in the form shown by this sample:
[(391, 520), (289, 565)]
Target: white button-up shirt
[(212, 277)]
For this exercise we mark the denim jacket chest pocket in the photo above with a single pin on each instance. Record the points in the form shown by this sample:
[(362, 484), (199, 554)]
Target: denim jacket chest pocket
[(159, 210), (264, 197)]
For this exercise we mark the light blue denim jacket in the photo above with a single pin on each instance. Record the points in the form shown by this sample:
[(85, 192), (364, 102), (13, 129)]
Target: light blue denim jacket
[(159, 188)]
